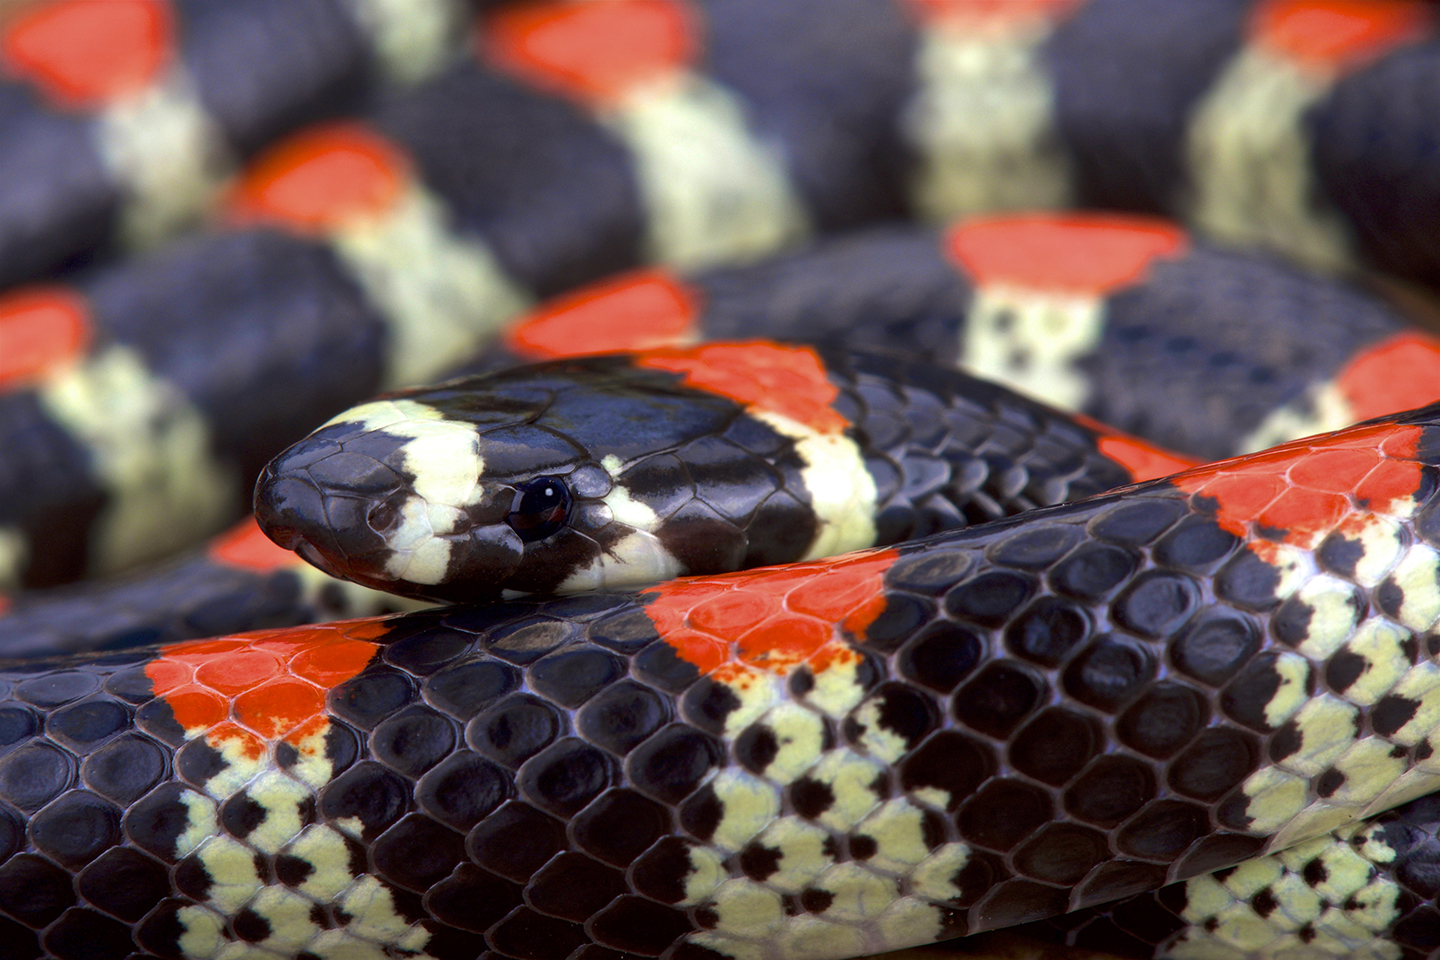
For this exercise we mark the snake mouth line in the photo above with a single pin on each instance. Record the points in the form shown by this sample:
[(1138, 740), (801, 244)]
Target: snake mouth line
[(314, 557)]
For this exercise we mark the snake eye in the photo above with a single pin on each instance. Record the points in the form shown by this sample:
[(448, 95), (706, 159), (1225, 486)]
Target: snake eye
[(382, 517), (541, 508)]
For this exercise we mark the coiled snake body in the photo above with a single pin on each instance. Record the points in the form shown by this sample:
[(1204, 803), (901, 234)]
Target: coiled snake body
[(926, 740)]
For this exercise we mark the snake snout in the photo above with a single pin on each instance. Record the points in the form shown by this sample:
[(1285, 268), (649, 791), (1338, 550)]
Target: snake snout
[(286, 507)]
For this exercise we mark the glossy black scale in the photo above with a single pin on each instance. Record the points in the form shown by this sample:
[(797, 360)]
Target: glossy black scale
[(559, 758), (560, 443)]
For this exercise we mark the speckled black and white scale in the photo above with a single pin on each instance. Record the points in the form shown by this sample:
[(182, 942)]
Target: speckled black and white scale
[(892, 747), (1366, 891)]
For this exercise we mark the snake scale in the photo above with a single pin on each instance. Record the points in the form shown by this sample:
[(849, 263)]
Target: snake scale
[(987, 727)]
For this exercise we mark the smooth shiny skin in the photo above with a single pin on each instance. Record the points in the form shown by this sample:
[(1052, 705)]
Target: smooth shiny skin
[(627, 469)]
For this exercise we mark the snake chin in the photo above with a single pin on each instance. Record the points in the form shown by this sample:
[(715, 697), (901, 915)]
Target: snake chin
[(311, 555)]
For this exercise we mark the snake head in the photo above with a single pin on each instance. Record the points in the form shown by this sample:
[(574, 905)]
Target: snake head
[(396, 496), (537, 483)]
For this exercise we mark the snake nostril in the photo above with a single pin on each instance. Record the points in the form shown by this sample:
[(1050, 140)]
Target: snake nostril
[(382, 517)]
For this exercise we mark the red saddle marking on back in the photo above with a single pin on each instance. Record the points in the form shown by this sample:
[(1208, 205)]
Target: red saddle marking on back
[(1143, 459), (1344, 34), (272, 682), (774, 618), (635, 311), (245, 545), (82, 53), (41, 330), (762, 375), (1077, 253), (592, 52), (320, 179), (1014, 11), (1304, 489), (1400, 373)]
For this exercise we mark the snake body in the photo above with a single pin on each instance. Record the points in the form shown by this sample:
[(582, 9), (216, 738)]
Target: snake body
[(947, 736), (951, 735), (426, 250)]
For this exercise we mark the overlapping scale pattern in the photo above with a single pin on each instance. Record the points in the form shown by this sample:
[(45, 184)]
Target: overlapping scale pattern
[(823, 760)]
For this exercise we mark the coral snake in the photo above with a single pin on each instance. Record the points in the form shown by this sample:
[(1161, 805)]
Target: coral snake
[(1080, 719)]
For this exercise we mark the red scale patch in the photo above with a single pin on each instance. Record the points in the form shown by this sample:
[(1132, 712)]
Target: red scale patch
[(265, 685), (1307, 488), (592, 52), (1143, 459), (772, 619), (1397, 374), (1074, 253), (635, 311), (82, 53), (42, 329), (1004, 11), (1343, 34), (762, 375), (320, 179), (245, 546)]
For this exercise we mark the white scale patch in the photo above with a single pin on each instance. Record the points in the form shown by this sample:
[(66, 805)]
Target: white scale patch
[(412, 38), (851, 779), (883, 744), (801, 846), (169, 155), (1380, 644), (842, 492), (637, 559), (1421, 686), (444, 457), (1249, 157), (898, 829), (1321, 409), (859, 894), (237, 886), (867, 913), (443, 294), (983, 120), (150, 450), (748, 804), (1341, 914), (1382, 543), (837, 689), (1418, 577), (707, 872), (714, 193), (746, 909), (891, 900), (799, 736), (757, 692), (1030, 341), (14, 553), (1295, 566), (811, 938), (1374, 773), (1327, 725), (1369, 767), (934, 878), (1290, 695), (1335, 610)]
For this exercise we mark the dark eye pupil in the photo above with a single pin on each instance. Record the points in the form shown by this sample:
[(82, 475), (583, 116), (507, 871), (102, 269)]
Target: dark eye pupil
[(541, 508)]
